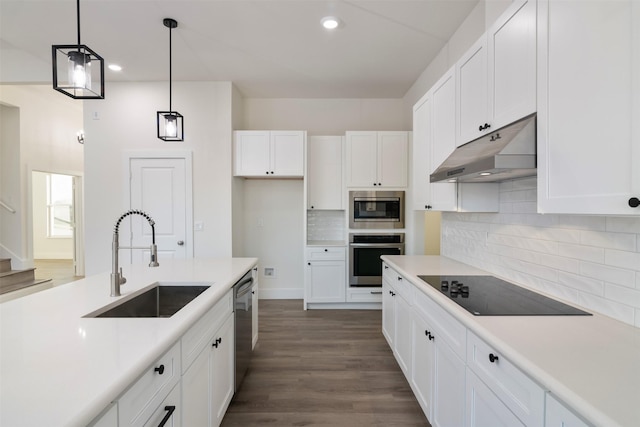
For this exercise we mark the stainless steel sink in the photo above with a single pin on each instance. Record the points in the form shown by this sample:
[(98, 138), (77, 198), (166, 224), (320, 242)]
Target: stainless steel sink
[(161, 300)]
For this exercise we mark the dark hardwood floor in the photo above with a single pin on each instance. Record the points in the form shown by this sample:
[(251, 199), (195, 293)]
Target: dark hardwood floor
[(322, 368)]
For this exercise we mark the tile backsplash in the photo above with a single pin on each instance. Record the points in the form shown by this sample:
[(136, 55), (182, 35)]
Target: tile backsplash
[(593, 261), (326, 225)]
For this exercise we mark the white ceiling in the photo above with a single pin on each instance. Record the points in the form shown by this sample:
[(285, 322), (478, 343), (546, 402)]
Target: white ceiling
[(268, 48)]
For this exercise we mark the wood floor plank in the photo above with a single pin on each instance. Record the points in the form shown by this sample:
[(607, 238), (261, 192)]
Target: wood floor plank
[(322, 368)]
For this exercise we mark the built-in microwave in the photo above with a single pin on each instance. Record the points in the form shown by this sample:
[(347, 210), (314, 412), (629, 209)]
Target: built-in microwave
[(376, 209)]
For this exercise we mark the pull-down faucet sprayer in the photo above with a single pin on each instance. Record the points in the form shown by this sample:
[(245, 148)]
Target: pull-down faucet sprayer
[(117, 278)]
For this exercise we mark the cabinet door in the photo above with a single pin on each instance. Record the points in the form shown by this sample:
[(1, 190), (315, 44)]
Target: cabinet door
[(362, 158), (403, 335), (423, 363), (393, 157), (195, 391), (252, 153), (221, 366), (484, 409), (388, 313), (326, 281), (511, 49), (421, 155), (324, 172), (557, 415), (443, 194), (589, 104), (287, 153), (472, 105), (448, 386)]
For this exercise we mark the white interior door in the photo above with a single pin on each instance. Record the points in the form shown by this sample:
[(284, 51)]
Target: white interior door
[(158, 186)]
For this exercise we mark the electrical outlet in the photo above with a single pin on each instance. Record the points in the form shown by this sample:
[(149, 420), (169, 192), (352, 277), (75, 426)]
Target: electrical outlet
[(270, 272)]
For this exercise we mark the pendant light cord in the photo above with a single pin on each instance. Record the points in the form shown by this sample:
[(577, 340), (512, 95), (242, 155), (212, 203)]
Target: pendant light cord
[(78, 19), (169, 69)]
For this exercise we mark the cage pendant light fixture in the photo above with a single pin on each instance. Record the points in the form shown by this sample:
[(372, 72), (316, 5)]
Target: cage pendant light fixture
[(170, 123), (78, 71)]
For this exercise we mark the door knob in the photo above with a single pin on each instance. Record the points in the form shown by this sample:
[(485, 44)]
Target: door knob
[(180, 242)]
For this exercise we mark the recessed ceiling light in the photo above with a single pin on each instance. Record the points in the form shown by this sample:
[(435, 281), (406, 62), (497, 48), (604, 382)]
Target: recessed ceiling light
[(115, 67), (330, 22)]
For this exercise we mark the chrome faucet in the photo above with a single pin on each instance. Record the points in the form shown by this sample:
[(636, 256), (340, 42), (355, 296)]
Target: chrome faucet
[(117, 278)]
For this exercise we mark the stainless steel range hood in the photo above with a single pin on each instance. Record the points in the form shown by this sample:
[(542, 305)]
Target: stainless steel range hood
[(506, 153)]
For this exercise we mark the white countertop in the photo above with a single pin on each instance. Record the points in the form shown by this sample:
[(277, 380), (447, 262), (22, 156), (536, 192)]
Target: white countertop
[(592, 363), (58, 368)]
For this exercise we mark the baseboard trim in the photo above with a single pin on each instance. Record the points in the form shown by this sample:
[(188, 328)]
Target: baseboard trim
[(344, 306)]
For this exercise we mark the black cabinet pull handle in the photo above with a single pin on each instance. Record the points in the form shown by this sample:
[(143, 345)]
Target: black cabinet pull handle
[(308, 263), (634, 202), (399, 278), (326, 250), (493, 358), (480, 127), (427, 206), (428, 335), (159, 369), (267, 172), (216, 342), (271, 172), (170, 410), (386, 267), (374, 184), (379, 184), (311, 206)]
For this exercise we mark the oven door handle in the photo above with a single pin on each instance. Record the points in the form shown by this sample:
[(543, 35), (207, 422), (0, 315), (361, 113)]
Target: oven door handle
[(376, 245)]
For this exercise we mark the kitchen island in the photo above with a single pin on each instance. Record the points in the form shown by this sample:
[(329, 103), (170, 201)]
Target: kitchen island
[(589, 364), (58, 368)]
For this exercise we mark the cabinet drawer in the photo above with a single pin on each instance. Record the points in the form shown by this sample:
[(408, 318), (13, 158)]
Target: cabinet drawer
[(517, 391), (364, 294), (171, 408), (326, 254), (446, 326), (143, 397), (197, 337), (397, 282)]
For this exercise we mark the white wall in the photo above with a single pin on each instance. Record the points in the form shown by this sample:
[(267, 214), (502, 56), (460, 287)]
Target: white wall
[(593, 261), (126, 120), (324, 116), (273, 232), (39, 127)]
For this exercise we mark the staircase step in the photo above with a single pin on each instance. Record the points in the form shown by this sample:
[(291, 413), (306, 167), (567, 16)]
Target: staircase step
[(4, 289), (12, 277), (5, 264)]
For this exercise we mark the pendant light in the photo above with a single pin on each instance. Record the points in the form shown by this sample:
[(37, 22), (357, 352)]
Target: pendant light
[(78, 71), (170, 123)]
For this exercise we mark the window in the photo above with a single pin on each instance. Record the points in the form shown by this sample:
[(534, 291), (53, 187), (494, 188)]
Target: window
[(59, 205)]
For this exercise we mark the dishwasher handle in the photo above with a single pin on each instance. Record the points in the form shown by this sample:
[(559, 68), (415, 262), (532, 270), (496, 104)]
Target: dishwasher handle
[(243, 287)]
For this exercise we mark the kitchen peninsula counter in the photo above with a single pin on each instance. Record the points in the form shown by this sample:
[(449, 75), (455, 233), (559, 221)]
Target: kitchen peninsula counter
[(58, 368), (591, 363)]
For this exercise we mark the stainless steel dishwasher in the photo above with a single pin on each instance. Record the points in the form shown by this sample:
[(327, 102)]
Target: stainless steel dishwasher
[(242, 304)]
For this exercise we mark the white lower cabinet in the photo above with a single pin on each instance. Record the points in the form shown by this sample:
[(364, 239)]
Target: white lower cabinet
[(144, 397), (388, 313), (254, 311), (558, 415), (437, 375), (325, 275), (168, 414), (397, 318), (484, 409), (208, 384), (517, 391)]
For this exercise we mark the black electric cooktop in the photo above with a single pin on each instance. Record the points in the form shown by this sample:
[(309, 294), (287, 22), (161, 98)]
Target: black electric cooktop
[(490, 296)]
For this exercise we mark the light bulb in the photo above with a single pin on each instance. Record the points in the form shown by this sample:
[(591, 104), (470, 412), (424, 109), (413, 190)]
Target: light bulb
[(330, 23), (170, 128), (79, 70)]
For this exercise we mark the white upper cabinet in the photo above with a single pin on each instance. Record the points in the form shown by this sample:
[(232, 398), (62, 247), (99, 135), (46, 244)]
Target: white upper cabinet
[(434, 139), (268, 154), (589, 107), (511, 50), (496, 77), (472, 90), (324, 172), (377, 159)]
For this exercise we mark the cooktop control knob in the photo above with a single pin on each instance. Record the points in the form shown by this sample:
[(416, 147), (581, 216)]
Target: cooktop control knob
[(444, 285)]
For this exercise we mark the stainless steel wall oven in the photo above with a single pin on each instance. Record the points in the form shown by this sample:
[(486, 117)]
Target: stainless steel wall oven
[(376, 209), (365, 265)]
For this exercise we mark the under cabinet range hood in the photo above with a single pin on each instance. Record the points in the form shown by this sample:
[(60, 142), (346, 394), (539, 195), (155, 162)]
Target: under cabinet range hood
[(506, 153)]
